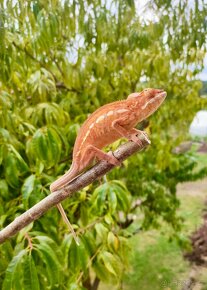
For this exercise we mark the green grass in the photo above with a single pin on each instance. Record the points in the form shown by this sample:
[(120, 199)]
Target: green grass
[(200, 157), (157, 263), (202, 160)]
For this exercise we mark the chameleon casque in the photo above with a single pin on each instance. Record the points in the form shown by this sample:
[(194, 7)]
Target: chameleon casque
[(107, 124)]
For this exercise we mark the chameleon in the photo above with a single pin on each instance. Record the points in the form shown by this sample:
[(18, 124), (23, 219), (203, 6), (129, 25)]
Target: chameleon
[(104, 126)]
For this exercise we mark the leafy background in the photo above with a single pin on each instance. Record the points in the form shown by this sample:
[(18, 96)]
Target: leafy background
[(60, 60)]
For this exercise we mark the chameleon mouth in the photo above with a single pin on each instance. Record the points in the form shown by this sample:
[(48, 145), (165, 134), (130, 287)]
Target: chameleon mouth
[(162, 94)]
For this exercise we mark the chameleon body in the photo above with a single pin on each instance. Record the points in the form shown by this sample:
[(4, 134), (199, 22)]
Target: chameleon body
[(106, 125)]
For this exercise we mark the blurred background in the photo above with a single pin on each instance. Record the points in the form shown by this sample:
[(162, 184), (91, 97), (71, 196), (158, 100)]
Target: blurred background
[(143, 226)]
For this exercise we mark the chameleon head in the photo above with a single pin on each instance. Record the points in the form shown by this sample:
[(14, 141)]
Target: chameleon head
[(149, 100)]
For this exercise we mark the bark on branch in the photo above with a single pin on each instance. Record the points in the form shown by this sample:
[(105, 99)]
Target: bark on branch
[(97, 171)]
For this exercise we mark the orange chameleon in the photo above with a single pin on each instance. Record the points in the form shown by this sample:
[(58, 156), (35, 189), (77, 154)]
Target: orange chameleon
[(106, 125)]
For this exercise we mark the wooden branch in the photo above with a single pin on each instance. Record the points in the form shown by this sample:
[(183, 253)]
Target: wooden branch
[(97, 171)]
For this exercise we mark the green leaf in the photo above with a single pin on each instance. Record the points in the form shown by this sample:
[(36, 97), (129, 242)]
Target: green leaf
[(27, 189), (4, 191), (31, 281), (22, 165), (100, 271), (108, 260), (21, 234), (46, 146), (51, 261), (84, 214), (101, 231), (107, 267), (11, 171), (13, 272), (115, 192), (78, 256), (98, 198), (112, 199), (65, 246), (113, 242)]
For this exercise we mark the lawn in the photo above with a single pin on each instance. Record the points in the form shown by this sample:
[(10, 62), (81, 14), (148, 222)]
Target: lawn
[(157, 263)]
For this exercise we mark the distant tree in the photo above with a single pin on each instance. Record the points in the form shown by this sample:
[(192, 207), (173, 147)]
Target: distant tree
[(203, 90), (60, 60)]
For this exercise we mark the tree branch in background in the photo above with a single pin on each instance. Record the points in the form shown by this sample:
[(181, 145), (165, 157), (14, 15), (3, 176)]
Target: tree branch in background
[(58, 84), (97, 171)]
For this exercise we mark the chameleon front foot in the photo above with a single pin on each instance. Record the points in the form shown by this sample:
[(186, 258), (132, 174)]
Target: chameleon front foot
[(132, 134), (92, 151), (113, 159), (136, 134)]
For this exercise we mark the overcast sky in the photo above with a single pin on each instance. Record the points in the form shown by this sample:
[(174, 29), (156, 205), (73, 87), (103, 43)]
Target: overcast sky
[(140, 4), (203, 74)]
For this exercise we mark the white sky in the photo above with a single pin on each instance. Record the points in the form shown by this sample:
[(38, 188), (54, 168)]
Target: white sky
[(147, 14), (140, 4), (203, 75)]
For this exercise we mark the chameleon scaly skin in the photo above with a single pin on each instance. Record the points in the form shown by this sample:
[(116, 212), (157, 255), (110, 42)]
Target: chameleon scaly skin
[(106, 125)]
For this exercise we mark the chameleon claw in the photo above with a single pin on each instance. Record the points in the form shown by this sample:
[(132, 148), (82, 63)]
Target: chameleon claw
[(143, 135), (134, 138), (113, 160), (146, 137)]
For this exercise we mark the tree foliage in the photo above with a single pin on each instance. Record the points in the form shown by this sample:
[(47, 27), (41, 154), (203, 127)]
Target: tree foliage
[(60, 60)]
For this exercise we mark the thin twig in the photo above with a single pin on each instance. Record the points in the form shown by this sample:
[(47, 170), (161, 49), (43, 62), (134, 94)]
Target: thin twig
[(97, 171), (29, 239), (58, 84)]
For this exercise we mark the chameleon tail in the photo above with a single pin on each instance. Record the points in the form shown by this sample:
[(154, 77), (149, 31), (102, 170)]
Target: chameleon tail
[(66, 220), (66, 178)]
